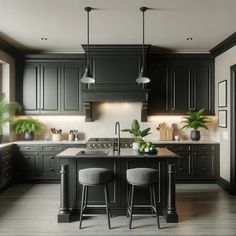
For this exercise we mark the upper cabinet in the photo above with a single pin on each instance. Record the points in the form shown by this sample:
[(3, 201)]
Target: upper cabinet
[(51, 88), (181, 84)]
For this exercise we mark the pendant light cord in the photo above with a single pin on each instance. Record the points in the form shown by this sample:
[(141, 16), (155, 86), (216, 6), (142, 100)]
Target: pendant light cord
[(88, 9), (143, 36)]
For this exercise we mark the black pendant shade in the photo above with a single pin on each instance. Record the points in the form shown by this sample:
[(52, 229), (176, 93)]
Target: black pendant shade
[(142, 79), (87, 77)]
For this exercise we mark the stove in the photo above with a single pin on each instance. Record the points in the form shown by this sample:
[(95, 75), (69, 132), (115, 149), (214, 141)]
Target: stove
[(109, 142)]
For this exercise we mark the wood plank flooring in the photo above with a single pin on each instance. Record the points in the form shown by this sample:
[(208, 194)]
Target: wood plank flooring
[(31, 210)]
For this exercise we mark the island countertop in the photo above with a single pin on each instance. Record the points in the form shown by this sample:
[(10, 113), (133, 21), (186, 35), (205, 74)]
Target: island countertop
[(109, 153)]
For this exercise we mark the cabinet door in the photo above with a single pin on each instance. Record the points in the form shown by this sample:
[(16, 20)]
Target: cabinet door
[(159, 93), (31, 82), (71, 99), (179, 95), (184, 165), (202, 87), (50, 88), (50, 165), (30, 165), (204, 165)]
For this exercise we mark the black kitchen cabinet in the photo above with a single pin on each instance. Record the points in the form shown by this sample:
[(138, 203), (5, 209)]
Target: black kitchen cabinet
[(51, 88), (178, 85), (39, 161), (6, 166), (196, 161)]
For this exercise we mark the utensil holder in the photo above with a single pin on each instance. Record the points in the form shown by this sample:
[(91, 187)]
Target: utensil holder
[(56, 137)]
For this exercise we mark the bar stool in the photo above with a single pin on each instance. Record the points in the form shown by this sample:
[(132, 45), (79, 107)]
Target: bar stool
[(141, 177), (94, 177)]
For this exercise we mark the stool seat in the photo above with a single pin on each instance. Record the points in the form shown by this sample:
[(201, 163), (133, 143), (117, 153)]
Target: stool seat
[(142, 176), (95, 176)]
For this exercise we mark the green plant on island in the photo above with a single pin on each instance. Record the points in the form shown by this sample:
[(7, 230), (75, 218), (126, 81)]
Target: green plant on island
[(29, 127), (6, 111), (136, 132)]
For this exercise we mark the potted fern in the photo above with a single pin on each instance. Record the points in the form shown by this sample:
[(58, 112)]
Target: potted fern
[(195, 120), (29, 127), (6, 110), (137, 133)]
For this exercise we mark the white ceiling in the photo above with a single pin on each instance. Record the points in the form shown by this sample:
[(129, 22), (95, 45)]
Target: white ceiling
[(168, 24)]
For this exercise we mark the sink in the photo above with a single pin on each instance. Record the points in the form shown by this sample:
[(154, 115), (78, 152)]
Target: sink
[(92, 153)]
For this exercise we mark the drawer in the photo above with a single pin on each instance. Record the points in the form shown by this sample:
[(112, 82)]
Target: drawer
[(203, 147), (179, 148), (6, 152), (28, 148), (50, 148)]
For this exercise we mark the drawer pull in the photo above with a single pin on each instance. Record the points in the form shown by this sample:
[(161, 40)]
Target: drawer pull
[(51, 148), (28, 148), (51, 169), (27, 158), (181, 169), (51, 157)]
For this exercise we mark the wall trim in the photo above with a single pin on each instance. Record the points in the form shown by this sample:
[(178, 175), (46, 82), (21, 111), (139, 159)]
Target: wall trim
[(224, 184), (8, 48), (224, 45), (232, 129)]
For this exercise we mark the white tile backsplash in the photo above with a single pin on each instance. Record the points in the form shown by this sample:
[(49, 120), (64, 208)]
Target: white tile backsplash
[(106, 115)]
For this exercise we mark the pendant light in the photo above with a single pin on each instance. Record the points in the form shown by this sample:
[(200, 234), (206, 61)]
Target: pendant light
[(87, 77), (142, 79)]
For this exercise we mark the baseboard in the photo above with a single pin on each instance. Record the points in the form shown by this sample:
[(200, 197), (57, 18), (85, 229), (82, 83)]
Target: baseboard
[(224, 184)]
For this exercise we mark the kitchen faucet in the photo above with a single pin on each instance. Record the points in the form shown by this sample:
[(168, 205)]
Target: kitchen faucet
[(117, 131)]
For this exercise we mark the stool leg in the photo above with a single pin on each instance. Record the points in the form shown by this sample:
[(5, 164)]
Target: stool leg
[(86, 197), (155, 205), (107, 205), (128, 203), (82, 206), (151, 199), (131, 206)]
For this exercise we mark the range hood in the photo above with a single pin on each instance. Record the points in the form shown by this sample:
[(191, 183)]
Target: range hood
[(115, 69)]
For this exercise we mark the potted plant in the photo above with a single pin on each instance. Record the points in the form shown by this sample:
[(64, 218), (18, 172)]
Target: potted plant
[(29, 127), (195, 120), (6, 110), (137, 133)]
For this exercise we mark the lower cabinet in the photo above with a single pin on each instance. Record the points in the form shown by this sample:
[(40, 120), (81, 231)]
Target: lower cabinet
[(40, 161), (196, 161), (6, 165)]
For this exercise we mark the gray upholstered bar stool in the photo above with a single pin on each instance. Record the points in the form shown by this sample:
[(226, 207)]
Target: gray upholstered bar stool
[(94, 177), (141, 177)]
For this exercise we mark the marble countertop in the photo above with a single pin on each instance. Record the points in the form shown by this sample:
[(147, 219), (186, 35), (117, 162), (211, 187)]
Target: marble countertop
[(108, 153)]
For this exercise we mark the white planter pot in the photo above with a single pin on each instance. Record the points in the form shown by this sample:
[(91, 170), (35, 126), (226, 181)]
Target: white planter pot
[(136, 146)]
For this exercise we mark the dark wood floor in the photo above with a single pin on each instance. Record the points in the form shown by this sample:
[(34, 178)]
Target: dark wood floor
[(30, 210)]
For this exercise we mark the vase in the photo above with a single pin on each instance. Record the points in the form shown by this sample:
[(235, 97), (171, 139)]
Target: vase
[(29, 136), (136, 146), (195, 135)]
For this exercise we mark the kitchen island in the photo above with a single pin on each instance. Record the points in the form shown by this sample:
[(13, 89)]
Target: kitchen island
[(74, 159)]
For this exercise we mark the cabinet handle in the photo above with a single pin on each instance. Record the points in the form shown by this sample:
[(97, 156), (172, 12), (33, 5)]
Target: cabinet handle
[(51, 169), (51, 148), (27, 158), (28, 148), (180, 169), (51, 157)]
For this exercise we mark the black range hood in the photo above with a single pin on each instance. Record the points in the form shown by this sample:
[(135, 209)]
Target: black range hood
[(115, 69)]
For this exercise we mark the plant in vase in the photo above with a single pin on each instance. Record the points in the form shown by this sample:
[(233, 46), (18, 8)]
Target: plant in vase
[(137, 133), (6, 110), (29, 127), (195, 120)]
